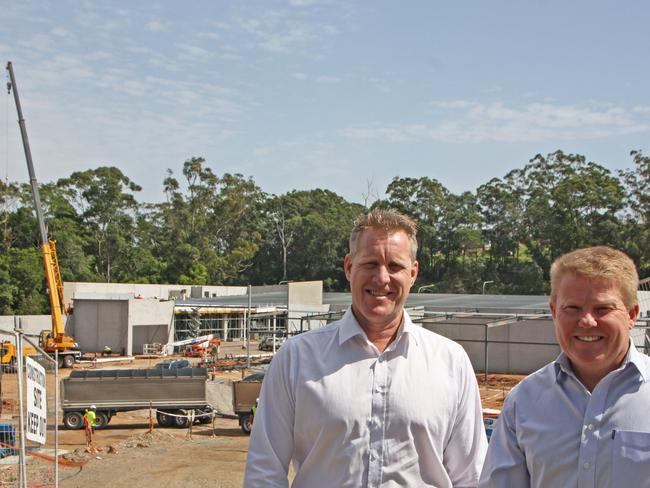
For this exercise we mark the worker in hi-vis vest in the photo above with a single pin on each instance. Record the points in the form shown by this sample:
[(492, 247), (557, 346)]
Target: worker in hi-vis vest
[(89, 425)]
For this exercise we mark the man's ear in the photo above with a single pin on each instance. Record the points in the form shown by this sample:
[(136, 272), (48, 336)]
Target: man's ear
[(633, 313), (553, 308), (415, 266), (347, 265)]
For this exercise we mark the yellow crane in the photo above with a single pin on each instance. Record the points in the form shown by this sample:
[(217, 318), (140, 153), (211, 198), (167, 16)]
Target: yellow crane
[(54, 339)]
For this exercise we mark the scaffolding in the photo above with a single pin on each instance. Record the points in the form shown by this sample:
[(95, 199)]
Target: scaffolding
[(229, 323)]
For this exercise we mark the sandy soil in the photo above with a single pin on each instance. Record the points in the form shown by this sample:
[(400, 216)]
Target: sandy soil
[(131, 456)]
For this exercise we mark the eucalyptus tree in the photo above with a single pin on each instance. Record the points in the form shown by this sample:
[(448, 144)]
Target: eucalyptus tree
[(501, 204), (568, 203), (105, 200), (425, 200), (208, 228), (306, 238), (637, 184)]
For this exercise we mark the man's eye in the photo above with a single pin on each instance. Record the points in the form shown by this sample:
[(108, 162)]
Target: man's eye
[(395, 267), (572, 308)]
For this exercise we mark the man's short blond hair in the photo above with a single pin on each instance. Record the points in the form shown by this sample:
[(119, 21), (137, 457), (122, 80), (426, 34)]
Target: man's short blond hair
[(598, 263), (389, 220)]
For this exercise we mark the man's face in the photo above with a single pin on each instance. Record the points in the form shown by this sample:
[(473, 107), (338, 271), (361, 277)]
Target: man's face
[(592, 324), (381, 274)]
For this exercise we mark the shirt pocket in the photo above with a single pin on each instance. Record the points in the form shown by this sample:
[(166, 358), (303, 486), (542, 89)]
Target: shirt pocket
[(631, 459)]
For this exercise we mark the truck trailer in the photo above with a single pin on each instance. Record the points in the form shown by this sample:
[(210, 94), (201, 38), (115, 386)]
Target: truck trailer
[(172, 392), (244, 395)]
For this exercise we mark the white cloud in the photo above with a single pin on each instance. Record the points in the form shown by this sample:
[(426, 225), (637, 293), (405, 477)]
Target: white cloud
[(60, 32), (156, 26), (303, 3), (467, 121), (191, 52), (209, 35), (281, 31), (328, 79), (318, 79)]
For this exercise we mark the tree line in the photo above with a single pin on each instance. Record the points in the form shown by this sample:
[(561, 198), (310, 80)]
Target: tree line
[(225, 230)]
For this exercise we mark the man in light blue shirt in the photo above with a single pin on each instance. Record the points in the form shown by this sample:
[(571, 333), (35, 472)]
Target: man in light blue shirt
[(583, 420)]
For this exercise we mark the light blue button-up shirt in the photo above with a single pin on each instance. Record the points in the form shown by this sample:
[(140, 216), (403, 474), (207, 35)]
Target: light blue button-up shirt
[(349, 416), (553, 432)]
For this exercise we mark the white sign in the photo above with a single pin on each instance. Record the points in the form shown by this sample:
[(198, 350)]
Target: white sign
[(36, 402)]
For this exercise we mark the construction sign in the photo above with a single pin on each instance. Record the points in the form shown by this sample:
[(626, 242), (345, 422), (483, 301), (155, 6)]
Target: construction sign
[(36, 402)]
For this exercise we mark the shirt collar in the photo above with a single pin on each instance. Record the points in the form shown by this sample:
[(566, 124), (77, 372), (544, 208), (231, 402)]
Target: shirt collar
[(633, 357), (350, 328)]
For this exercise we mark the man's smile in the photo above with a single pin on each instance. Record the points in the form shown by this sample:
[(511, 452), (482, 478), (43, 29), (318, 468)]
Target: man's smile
[(379, 293), (592, 338)]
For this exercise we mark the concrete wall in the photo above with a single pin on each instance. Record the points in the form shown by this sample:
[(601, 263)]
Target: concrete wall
[(514, 358), (217, 291), (99, 323), (305, 293), (31, 324), (303, 298), (269, 289), (72, 290), (504, 358), (124, 325), (150, 321)]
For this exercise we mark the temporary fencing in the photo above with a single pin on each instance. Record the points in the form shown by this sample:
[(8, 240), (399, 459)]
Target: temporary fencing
[(34, 462)]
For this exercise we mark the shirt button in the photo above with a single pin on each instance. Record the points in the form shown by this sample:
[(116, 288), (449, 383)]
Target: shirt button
[(586, 465), (590, 426)]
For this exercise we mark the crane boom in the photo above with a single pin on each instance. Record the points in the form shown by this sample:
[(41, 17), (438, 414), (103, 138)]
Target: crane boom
[(57, 340)]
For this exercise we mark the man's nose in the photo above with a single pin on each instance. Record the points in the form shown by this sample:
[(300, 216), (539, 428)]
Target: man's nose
[(587, 321), (382, 275)]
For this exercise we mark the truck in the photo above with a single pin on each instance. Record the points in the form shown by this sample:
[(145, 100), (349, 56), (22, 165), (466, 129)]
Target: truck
[(172, 392), (9, 355), (54, 339), (244, 395)]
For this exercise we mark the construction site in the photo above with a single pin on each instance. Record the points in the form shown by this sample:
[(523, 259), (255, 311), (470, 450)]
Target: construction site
[(173, 372)]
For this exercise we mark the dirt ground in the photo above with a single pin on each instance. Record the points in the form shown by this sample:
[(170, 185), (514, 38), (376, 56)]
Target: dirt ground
[(129, 455)]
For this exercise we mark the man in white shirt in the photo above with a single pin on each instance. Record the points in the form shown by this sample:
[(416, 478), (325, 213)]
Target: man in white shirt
[(370, 400), (581, 421)]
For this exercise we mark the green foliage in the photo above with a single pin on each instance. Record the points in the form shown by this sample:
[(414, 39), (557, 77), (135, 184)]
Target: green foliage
[(25, 294), (223, 229), (637, 221), (306, 237)]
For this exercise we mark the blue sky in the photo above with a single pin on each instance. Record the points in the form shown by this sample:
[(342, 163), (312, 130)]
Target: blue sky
[(343, 95)]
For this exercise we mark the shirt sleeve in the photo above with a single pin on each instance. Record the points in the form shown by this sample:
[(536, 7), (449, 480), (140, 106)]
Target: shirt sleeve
[(505, 463), (271, 444), (465, 450)]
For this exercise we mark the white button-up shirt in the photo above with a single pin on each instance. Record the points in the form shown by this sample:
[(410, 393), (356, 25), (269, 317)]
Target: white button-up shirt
[(347, 415), (553, 432)]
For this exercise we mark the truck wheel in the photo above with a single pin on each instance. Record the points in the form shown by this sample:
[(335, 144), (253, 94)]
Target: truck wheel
[(101, 420), (163, 419), (59, 362), (179, 422), (246, 422), (68, 361), (73, 420)]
